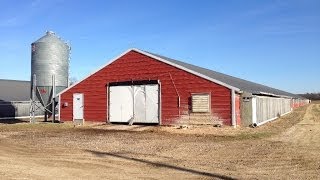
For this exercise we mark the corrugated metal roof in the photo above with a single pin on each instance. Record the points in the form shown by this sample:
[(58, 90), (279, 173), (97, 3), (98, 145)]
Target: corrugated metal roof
[(242, 84), (14, 90)]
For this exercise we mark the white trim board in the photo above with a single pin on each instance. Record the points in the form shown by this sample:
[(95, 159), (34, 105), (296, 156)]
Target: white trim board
[(111, 61), (161, 60), (188, 70)]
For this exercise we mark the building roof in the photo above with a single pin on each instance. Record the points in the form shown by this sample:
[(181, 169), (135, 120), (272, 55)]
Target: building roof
[(237, 84), (241, 84), (14, 90)]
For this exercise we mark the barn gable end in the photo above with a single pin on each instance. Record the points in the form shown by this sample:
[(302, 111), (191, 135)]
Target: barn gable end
[(177, 85)]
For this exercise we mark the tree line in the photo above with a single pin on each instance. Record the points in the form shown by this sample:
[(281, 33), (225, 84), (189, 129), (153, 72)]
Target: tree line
[(311, 96)]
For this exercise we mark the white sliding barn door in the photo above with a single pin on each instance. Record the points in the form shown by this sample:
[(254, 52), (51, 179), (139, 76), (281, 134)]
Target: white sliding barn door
[(139, 103)]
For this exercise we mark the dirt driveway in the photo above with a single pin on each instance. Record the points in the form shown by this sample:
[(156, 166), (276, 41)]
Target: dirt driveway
[(288, 148)]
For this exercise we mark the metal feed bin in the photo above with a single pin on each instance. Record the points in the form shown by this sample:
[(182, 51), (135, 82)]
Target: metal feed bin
[(49, 68)]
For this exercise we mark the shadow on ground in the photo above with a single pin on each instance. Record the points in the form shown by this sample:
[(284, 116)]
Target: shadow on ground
[(50, 121), (13, 121), (163, 165)]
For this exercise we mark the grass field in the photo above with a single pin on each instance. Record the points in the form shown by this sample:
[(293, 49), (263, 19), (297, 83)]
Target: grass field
[(288, 148)]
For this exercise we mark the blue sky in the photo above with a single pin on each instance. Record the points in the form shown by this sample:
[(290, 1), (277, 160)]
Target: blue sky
[(276, 43)]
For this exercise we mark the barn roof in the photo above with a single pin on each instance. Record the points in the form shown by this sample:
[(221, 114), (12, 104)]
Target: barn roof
[(14, 90), (241, 84), (228, 81)]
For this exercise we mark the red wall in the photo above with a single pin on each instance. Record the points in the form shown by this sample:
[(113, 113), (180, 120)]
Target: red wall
[(136, 66), (295, 103)]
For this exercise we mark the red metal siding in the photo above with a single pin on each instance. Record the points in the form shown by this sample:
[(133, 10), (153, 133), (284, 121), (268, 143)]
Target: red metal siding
[(295, 103), (136, 66)]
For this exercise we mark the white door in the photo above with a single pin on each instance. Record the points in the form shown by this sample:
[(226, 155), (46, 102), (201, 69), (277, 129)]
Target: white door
[(152, 103), (120, 103), (146, 107), (139, 102), (78, 106)]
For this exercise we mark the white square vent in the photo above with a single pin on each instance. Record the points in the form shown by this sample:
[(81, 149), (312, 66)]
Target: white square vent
[(200, 102)]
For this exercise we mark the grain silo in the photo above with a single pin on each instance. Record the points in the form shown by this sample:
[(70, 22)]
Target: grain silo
[(49, 69)]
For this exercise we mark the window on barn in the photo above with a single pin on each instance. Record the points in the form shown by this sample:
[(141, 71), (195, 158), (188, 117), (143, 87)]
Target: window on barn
[(200, 102)]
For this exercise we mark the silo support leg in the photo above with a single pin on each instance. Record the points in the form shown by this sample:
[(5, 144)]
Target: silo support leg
[(45, 116), (53, 111)]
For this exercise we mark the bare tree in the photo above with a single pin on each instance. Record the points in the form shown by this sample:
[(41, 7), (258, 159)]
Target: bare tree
[(72, 80), (312, 96)]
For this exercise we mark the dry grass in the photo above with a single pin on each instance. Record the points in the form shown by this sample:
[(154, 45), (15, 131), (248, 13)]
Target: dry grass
[(287, 148)]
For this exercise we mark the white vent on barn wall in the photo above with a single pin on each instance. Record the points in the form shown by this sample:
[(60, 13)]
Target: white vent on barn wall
[(200, 102)]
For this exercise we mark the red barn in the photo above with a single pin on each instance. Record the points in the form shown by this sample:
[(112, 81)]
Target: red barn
[(142, 87)]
